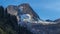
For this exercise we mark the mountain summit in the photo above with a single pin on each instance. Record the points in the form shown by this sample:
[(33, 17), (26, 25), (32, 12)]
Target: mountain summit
[(22, 9), (25, 8)]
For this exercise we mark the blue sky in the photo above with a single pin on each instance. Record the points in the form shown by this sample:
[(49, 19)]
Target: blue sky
[(46, 9)]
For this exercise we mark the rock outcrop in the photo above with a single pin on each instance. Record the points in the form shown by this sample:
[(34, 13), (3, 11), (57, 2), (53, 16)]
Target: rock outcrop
[(21, 10), (26, 9), (13, 10), (9, 24)]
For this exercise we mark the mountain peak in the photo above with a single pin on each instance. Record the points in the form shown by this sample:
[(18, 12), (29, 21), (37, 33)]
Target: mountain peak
[(25, 8)]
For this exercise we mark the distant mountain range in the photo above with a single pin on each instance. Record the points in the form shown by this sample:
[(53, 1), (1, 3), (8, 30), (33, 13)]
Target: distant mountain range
[(27, 18)]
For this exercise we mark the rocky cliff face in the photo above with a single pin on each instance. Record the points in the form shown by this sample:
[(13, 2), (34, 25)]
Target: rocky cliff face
[(21, 10), (26, 9), (9, 24), (13, 10)]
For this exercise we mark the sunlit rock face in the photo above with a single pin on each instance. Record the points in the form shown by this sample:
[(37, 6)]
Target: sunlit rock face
[(13, 10), (26, 9)]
